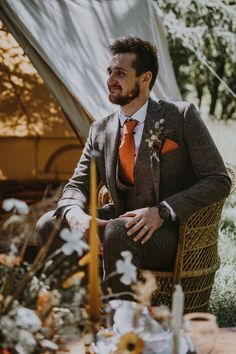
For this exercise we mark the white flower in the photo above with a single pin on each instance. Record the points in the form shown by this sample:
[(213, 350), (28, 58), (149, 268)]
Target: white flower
[(45, 343), (78, 297), (73, 242), (56, 298), (34, 284), (13, 249), (126, 268), (20, 349), (104, 347), (13, 219), (27, 319), (20, 206), (26, 342), (8, 328)]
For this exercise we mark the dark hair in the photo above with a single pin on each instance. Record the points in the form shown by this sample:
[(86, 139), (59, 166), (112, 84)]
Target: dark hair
[(145, 51)]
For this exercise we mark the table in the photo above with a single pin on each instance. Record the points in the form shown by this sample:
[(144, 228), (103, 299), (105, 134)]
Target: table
[(225, 344)]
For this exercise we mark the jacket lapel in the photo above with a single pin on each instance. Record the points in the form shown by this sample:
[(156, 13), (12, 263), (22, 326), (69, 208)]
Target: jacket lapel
[(111, 148), (146, 159)]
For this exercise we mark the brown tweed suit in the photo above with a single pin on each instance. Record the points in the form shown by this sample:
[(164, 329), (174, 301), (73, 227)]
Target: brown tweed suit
[(188, 178)]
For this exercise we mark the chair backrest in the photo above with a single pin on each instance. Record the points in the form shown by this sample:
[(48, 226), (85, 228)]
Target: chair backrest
[(198, 238)]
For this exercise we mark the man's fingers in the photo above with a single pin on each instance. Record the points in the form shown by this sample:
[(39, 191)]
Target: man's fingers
[(75, 224), (133, 221), (103, 222), (140, 235), (147, 237), (128, 213), (137, 226)]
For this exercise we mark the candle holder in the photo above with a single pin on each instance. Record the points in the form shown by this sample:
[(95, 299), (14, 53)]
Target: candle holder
[(202, 329)]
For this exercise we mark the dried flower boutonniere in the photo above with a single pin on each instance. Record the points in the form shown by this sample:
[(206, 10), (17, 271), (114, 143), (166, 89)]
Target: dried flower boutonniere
[(155, 141)]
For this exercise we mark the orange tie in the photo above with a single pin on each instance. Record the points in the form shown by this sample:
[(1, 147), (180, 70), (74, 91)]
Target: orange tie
[(127, 153)]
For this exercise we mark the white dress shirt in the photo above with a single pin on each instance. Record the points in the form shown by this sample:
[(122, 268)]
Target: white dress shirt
[(140, 116)]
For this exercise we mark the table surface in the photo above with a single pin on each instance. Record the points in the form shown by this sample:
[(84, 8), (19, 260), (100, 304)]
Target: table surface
[(225, 344)]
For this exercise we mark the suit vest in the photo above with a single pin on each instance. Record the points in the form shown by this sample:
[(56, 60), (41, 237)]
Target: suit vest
[(141, 194)]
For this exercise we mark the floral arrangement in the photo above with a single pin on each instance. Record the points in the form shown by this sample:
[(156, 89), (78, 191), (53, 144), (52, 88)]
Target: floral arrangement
[(31, 306), (43, 302), (157, 136)]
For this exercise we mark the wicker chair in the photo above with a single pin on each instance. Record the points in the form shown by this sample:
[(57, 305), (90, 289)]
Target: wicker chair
[(196, 259)]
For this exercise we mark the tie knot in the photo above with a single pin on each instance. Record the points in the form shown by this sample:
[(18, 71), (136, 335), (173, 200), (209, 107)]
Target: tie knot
[(129, 126)]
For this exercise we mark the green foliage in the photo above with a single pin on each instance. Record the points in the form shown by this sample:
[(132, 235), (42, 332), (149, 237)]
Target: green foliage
[(222, 302), (201, 37)]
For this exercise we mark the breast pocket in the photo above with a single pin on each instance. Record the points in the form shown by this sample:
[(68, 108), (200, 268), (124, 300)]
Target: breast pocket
[(174, 163)]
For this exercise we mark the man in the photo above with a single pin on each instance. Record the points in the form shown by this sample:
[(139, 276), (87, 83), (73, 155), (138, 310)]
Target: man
[(157, 160)]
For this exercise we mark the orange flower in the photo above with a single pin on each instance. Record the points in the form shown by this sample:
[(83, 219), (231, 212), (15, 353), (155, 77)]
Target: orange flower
[(130, 343), (43, 303), (44, 309), (5, 351), (145, 287), (9, 261)]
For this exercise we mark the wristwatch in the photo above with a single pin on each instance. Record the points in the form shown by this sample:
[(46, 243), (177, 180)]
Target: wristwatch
[(164, 212)]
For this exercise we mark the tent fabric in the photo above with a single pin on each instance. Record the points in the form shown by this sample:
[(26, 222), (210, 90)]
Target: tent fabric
[(67, 41)]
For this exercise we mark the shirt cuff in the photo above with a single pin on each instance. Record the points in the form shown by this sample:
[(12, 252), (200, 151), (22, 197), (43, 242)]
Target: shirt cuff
[(66, 209), (173, 215)]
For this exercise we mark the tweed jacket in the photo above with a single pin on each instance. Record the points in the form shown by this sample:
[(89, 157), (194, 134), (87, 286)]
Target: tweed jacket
[(188, 178)]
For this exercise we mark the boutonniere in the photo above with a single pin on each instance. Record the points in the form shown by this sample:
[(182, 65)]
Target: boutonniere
[(157, 137)]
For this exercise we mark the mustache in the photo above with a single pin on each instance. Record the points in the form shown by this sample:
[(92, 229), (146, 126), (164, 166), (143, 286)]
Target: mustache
[(114, 87)]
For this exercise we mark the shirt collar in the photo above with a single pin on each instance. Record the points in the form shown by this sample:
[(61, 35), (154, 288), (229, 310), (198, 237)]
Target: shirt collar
[(140, 115)]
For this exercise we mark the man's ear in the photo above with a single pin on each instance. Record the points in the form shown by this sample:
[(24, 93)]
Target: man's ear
[(147, 76)]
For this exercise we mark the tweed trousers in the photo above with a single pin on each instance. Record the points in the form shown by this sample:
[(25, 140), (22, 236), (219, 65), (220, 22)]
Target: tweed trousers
[(158, 253)]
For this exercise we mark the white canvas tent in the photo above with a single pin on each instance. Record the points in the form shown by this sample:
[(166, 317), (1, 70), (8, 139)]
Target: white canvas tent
[(67, 41), (36, 140)]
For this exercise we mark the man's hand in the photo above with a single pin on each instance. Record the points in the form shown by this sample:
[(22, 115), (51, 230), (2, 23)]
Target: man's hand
[(78, 220), (146, 221)]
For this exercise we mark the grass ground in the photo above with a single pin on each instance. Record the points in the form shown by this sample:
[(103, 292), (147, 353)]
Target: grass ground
[(223, 296)]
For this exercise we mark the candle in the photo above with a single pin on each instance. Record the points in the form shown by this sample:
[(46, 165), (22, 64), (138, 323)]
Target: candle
[(177, 316), (93, 260)]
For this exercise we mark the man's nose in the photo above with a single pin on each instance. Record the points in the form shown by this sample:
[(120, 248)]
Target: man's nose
[(110, 79)]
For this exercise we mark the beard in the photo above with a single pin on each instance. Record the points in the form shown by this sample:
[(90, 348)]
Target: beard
[(125, 99)]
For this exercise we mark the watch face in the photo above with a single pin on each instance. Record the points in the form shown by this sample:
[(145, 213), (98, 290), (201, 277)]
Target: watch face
[(164, 212)]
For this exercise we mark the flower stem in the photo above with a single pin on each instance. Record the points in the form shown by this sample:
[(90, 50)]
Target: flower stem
[(36, 264), (109, 276), (108, 296)]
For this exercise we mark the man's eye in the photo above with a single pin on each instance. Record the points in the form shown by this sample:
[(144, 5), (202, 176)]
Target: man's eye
[(120, 73)]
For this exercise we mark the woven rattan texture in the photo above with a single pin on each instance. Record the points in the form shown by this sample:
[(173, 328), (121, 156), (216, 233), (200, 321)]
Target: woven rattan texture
[(197, 262)]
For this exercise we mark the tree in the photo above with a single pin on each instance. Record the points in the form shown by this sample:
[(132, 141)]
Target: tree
[(202, 43)]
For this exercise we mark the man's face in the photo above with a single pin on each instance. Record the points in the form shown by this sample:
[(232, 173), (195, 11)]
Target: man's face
[(122, 83)]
